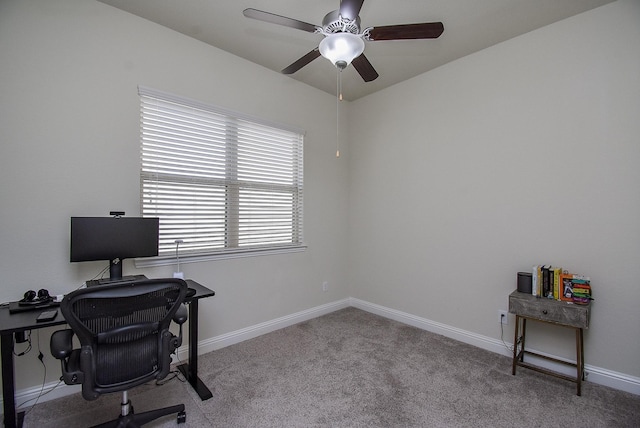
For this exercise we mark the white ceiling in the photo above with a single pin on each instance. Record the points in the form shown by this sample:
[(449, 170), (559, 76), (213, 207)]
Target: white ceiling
[(469, 26)]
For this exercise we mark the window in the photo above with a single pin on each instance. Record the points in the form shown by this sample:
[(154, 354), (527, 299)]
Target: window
[(223, 183)]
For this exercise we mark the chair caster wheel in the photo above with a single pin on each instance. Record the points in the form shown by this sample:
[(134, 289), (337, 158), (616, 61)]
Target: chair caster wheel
[(182, 417)]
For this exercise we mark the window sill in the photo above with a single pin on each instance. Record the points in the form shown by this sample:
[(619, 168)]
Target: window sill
[(196, 258)]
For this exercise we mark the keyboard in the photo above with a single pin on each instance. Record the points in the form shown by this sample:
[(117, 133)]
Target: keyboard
[(15, 307)]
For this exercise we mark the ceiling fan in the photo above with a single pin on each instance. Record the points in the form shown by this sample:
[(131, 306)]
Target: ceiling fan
[(343, 41)]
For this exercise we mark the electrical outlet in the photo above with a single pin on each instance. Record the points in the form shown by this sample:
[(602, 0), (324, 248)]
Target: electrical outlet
[(504, 319), (325, 286)]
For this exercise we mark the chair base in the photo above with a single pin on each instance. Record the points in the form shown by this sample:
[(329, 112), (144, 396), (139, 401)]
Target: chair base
[(133, 420)]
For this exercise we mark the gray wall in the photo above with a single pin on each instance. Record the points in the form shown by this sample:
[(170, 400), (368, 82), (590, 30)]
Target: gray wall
[(525, 153), (69, 127)]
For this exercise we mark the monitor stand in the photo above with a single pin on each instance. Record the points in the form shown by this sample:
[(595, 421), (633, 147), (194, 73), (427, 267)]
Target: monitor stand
[(109, 281)]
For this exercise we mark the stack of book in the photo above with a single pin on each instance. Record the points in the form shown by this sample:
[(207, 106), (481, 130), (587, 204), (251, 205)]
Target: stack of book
[(580, 291), (556, 283)]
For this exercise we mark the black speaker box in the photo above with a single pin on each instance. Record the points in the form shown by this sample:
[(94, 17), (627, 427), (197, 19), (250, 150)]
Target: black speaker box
[(524, 282)]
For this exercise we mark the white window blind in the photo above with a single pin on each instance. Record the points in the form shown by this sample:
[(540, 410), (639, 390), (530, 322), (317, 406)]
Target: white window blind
[(220, 181)]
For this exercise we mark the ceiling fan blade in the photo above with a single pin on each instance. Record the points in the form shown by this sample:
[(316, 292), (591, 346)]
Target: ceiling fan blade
[(427, 30), (350, 9), (280, 20), (302, 62), (364, 68)]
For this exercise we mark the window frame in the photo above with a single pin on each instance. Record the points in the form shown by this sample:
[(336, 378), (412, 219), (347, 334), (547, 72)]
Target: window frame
[(231, 184)]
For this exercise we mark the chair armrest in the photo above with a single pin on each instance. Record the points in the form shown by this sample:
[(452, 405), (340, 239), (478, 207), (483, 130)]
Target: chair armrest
[(181, 315), (61, 343)]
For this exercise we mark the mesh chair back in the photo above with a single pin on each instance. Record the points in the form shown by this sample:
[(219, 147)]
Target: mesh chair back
[(124, 331)]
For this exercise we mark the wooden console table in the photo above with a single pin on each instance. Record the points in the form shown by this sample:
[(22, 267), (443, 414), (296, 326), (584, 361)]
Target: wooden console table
[(529, 307)]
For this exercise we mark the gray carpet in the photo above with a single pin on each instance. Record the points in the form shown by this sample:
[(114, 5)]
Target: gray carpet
[(354, 369)]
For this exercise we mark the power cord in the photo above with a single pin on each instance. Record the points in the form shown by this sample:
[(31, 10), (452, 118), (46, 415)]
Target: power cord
[(506, 345), (44, 378), (98, 275), (177, 374)]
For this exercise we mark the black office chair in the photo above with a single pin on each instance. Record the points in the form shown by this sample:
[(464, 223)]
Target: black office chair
[(124, 341)]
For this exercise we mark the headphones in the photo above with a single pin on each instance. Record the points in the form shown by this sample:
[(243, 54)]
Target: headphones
[(39, 298)]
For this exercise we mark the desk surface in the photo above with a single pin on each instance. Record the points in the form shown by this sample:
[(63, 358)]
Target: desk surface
[(201, 291), (11, 323)]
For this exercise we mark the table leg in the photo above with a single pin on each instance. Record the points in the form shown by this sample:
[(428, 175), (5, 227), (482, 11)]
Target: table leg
[(579, 359), (515, 345), (523, 334)]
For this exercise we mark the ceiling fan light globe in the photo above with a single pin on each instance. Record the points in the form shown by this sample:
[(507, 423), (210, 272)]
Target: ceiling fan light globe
[(341, 48)]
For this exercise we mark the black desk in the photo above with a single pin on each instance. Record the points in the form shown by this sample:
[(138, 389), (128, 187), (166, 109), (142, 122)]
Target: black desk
[(23, 321), (190, 369)]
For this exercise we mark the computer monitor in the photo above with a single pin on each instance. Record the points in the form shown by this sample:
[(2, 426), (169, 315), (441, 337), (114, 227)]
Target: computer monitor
[(113, 239)]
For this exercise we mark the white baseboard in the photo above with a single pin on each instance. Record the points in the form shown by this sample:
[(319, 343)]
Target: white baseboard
[(594, 374), (27, 398), (228, 339), (597, 375)]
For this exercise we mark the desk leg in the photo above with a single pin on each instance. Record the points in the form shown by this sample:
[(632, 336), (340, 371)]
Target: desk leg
[(190, 369), (8, 385)]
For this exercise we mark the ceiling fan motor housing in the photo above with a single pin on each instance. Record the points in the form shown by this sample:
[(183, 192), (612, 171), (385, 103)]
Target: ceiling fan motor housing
[(333, 22)]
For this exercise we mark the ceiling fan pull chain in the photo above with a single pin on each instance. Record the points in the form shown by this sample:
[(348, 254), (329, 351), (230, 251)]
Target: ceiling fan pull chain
[(338, 99)]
